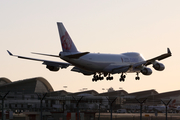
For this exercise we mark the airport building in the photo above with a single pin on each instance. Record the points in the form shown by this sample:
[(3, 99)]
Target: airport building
[(26, 95)]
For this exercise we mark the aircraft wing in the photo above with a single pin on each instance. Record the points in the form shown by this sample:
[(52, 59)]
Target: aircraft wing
[(74, 56), (151, 61), (161, 57), (46, 62)]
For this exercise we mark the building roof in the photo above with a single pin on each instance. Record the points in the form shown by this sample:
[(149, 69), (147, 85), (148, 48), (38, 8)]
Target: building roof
[(144, 94), (114, 93), (166, 95), (169, 94), (28, 86), (60, 93), (92, 92), (4, 80)]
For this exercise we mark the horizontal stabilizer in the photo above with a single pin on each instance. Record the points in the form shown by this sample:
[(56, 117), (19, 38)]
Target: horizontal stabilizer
[(76, 56)]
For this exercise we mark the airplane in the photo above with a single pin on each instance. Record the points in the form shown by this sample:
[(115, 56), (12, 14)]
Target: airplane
[(158, 108), (172, 106), (97, 64)]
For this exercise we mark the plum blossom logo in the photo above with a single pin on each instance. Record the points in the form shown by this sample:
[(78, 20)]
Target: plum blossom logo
[(66, 41)]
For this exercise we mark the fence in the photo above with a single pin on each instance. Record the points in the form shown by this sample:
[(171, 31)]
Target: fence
[(129, 116)]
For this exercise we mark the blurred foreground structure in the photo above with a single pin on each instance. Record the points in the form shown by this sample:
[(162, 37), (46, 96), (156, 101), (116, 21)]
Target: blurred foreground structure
[(31, 97)]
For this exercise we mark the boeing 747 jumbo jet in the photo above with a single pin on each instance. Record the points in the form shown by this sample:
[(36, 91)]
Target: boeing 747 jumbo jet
[(96, 64)]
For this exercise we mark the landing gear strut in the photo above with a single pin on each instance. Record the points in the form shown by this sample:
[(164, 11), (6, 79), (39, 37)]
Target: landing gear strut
[(122, 77), (109, 77), (137, 78)]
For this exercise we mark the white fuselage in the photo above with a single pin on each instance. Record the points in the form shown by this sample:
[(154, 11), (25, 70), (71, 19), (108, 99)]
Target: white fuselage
[(96, 62)]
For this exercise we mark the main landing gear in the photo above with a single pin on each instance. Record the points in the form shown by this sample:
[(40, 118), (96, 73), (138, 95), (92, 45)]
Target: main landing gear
[(122, 78), (97, 77), (109, 77)]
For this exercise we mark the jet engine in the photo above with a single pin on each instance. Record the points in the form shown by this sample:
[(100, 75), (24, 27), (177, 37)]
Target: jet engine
[(158, 66), (146, 71), (52, 68)]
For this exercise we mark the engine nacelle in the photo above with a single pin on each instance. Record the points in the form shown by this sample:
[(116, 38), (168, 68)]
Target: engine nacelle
[(158, 66), (146, 71), (52, 68)]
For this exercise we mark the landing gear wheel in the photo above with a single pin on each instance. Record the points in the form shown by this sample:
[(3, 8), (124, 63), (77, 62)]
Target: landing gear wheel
[(137, 78), (124, 76), (97, 77), (109, 78), (121, 79)]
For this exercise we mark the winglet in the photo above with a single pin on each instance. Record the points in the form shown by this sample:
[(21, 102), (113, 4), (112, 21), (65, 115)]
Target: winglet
[(9, 53), (168, 50)]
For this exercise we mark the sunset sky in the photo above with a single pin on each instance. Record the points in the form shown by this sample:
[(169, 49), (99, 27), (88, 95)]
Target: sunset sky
[(104, 26)]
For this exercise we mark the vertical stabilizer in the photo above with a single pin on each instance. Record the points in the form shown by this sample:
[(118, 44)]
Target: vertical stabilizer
[(66, 41)]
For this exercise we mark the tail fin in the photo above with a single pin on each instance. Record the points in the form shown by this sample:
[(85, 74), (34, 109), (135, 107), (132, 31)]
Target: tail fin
[(66, 41), (172, 104)]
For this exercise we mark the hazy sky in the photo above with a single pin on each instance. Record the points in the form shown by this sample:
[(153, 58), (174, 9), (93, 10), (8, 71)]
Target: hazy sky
[(105, 26)]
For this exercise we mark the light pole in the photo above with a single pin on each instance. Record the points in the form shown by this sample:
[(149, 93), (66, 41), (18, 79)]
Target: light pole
[(41, 97), (99, 111), (77, 105), (141, 106), (166, 104), (111, 104), (120, 95), (2, 98)]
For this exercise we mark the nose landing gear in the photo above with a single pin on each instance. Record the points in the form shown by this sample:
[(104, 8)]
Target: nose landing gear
[(137, 78)]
